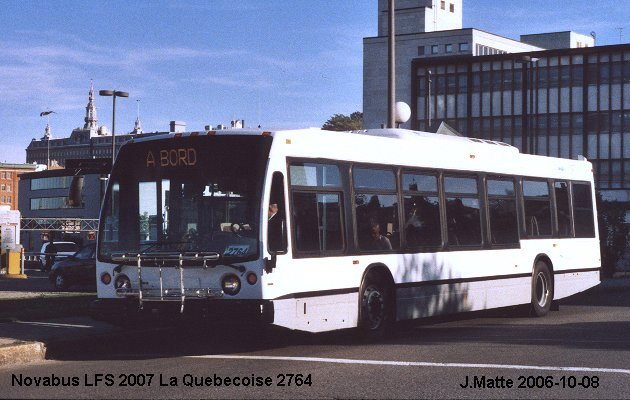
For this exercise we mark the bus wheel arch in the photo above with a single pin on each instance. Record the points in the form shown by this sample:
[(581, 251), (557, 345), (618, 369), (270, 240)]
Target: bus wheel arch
[(377, 301), (542, 286)]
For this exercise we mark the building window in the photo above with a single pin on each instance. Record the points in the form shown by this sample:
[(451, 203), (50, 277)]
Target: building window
[(9, 175), (50, 203), (4, 175), (56, 182), (448, 48), (451, 7), (420, 50), (3, 187), (8, 187), (443, 4), (463, 47), (434, 49)]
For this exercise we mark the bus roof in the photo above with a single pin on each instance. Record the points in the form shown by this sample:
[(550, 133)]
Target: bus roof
[(406, 148)]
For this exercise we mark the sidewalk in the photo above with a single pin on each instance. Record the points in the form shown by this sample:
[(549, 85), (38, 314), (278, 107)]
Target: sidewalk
[(26, 341)]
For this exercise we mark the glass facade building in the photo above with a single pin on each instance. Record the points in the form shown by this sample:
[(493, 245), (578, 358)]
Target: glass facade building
[(560, 103)]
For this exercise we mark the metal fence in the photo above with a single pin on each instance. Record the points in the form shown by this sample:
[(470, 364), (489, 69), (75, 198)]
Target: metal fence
[(60, 224)]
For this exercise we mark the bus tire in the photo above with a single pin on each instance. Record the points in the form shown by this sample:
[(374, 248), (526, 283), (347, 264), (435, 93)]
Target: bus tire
[(375, 307), (542, 289)]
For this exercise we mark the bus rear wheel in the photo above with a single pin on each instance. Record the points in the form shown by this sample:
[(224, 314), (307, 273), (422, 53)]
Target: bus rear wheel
[(542, 289), (376, 305)]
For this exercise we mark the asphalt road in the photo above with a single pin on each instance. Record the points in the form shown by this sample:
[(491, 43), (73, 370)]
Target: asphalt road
[(581, 351)]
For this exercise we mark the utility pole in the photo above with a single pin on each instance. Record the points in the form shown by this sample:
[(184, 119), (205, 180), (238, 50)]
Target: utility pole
[(391, 63), (429, 100)]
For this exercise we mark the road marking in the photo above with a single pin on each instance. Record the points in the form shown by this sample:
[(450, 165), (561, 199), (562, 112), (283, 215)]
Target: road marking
[(416, 363), (53, 324)]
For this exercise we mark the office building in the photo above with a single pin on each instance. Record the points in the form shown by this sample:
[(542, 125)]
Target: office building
[(553, 94)]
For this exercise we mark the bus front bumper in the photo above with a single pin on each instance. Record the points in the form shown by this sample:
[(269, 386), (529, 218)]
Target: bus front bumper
[(127, 311)]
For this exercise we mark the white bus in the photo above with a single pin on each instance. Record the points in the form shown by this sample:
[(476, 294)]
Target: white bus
[(316, 231)]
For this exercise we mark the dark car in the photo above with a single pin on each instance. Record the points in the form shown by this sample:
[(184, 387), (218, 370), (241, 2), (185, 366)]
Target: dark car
[(79, 268)]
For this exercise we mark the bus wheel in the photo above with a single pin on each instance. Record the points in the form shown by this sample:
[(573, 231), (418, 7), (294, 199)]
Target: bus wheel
[(542, 289), (375, 307)]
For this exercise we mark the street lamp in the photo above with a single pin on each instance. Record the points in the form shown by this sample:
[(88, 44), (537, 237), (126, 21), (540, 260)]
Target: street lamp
[(114, 94)]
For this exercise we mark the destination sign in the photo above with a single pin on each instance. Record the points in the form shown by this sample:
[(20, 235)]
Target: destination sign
[(181, 157)]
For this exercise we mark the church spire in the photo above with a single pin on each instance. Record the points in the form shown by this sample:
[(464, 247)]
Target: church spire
[(90, 112), (138, 126)]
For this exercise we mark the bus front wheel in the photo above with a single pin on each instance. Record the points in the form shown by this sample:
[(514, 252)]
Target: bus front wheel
[(375, 314), (542, 289)]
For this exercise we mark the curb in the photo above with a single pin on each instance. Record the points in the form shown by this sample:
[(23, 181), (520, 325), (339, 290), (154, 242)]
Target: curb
[(21, 352)]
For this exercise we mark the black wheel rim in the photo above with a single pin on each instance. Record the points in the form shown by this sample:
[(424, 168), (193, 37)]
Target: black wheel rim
[(374, 307)]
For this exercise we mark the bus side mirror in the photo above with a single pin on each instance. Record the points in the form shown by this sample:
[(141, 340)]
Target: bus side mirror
[(270, 263)]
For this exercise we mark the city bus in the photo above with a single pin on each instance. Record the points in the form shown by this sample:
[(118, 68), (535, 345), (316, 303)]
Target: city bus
[(316, 231)]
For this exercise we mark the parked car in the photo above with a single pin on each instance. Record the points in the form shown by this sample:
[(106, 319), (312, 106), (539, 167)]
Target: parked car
[(62, 250), (79, 268)]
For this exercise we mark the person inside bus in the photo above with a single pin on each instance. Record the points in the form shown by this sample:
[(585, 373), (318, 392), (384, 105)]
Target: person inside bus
[(274, 228), (378, 242)]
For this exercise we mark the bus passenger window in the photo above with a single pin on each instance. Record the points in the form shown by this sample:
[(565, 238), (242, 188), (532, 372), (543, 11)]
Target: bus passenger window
[(502, 212), (463, 217), (561, 190), (377, 212), (317, 219), (377, 226), (537, 208), (583, 210), (422, 210)]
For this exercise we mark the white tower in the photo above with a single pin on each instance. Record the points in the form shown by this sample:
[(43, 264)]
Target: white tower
[(91, 121)]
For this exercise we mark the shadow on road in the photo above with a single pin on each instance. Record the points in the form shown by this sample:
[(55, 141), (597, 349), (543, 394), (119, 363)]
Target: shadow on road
[(591, 320)]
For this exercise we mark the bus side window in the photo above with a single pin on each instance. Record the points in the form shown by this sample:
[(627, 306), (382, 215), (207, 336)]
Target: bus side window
[(537, 206), (583, 210), (276, 216)]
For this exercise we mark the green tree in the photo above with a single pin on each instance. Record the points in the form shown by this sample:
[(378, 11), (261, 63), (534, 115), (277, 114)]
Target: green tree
[(341, 122), (614, 233)]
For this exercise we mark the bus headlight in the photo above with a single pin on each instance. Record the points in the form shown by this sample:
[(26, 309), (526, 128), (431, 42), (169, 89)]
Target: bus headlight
[(231, 284), (122, 282)]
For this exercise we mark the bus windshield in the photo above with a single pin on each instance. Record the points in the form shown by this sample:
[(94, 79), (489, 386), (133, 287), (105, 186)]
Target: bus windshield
[(189, 194)]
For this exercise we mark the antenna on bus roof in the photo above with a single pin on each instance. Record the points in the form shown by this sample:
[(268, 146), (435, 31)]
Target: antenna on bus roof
[(446, 129)]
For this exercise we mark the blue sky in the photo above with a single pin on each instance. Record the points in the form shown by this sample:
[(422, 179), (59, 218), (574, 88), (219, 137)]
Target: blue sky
[(275, 63)]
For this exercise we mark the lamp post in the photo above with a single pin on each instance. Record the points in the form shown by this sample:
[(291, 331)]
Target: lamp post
[(429, 100), (114, 94), (391, 66)]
